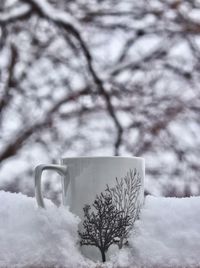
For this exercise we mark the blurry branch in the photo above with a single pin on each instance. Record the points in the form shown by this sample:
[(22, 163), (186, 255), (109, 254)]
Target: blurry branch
[(189, 25), (195, 49), (146, 142), (83, 111), (158, 53), (70, 25), (16, 83), (186, 74), (22, 136), (10, 81), (46, 11), (16, 13)]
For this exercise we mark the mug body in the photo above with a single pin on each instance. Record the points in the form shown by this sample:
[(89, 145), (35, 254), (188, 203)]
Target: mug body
[(106, 193)]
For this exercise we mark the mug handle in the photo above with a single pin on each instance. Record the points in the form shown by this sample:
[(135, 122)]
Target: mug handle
[(61, 170)]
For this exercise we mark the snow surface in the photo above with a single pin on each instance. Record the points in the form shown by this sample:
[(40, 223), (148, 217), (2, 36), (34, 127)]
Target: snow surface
[(167, 235), (36, 237)]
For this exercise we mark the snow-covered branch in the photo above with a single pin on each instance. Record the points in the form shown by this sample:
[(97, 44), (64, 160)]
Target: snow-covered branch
[(16, 13)]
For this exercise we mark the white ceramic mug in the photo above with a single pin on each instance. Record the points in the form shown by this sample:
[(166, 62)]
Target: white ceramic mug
[(106, 193)]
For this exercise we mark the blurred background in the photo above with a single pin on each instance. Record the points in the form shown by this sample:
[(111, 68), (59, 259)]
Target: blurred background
[(100, 77)]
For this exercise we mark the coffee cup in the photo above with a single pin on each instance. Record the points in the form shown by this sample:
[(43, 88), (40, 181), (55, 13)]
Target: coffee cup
[(106, 193)]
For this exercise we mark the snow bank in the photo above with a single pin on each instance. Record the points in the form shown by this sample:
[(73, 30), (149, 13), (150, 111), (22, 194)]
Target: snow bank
[(167, 235), (36, 237)]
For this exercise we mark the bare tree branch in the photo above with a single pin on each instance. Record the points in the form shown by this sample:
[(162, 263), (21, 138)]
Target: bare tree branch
[(4, 101), (22, 137)]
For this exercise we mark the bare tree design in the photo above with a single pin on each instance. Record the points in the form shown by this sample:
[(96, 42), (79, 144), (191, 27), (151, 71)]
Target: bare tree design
[(103, 228), (112, 215), (125, 197)]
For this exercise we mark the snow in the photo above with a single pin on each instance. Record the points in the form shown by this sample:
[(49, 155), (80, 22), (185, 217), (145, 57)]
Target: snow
[(167, 235), (36, 237)]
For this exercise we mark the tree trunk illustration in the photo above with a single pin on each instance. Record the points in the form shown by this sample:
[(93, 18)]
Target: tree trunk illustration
[(103, 255)]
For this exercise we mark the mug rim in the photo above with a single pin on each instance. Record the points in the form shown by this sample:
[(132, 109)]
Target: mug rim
[(104, 157)]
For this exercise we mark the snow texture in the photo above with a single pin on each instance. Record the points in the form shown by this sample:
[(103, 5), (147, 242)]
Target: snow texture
[(32, 237), (167, 235)]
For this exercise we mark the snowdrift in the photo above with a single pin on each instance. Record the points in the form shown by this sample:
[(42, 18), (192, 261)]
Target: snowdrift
[(166, 235)]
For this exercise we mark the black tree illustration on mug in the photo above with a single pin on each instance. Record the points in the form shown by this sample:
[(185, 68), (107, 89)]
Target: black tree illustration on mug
[(112, 215)]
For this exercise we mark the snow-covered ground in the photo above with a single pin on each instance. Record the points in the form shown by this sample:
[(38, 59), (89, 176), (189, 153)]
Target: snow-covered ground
[(167, 235)]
